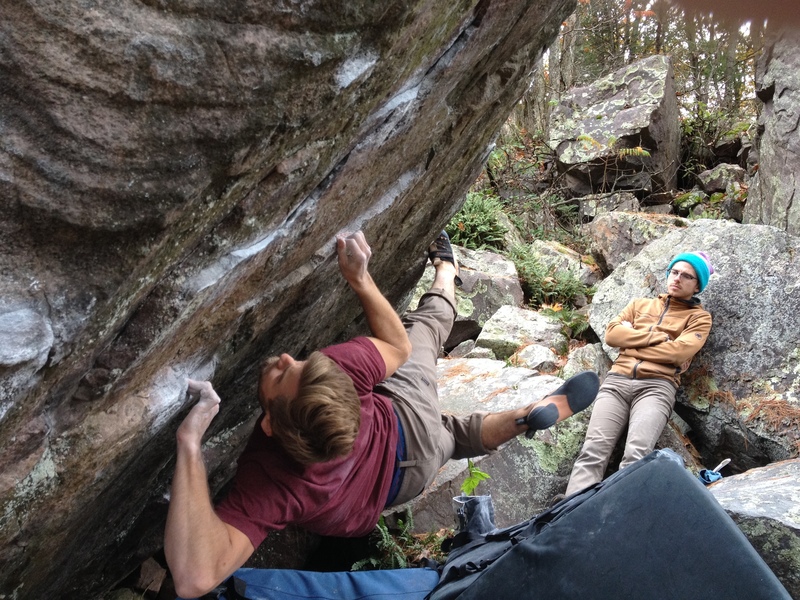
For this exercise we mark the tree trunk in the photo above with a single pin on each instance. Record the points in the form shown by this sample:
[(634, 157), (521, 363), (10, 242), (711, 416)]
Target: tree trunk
[(567, 42), (554, 63), (532, 113), (695, 60), (554, 75), (661, 9), (733, 80)]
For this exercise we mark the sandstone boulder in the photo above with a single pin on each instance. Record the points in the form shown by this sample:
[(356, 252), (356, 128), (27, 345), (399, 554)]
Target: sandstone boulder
[(618, 236), (621, 132), (489, 281), (772, 197), (512, 237), (511, 328), (175, 178), (463, 349), (590, 357), (477, 352), (732, 205), (765, 503), (557, 257), (598, 204), (658, 209), (720, 177), (686, 202), (537, 357)]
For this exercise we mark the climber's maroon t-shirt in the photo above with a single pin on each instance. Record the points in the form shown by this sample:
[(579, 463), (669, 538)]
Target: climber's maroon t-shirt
[(342, 498)]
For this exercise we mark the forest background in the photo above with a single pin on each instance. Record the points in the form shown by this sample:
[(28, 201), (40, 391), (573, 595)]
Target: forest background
[(714, 64)]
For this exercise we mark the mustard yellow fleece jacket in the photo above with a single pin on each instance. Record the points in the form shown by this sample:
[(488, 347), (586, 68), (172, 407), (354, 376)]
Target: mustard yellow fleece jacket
[(664, 336)]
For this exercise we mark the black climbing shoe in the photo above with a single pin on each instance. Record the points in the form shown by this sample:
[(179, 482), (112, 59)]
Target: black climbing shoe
[(576, 393), (441, 250)]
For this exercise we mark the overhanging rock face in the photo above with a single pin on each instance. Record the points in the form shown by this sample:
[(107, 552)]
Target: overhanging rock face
[(173, 176)]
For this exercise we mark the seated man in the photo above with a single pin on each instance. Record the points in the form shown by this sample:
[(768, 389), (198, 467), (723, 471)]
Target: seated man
[(657, 338), (352, 429)]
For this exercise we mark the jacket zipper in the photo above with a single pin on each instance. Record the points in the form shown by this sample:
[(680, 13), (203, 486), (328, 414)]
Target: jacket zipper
[(663, 312)]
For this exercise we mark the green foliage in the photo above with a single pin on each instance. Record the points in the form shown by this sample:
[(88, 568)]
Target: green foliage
[(738, 193), (400, 549), (713, 207), (474, 477), (706, 214), (700, 133), (621, 154), (545, 217), (546, 285), (573, 322), (566, 211), (477, 225), (709, 212), (504, 156), (688, 200), (588, 141), (522, 226), (391, 553), (611, 144), (498, 160), (636, 151), (512, 157)]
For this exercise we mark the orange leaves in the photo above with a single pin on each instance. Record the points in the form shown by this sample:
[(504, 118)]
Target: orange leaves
[(637, 14), (557, 307)]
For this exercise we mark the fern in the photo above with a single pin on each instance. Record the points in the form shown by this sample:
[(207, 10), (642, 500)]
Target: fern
[(637, 151), (588, 141), (398, 548), (361, 565), (545, 285), (573, 323), (477, 225)]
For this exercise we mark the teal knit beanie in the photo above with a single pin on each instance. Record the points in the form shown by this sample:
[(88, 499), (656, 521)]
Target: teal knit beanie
[(701, 264)]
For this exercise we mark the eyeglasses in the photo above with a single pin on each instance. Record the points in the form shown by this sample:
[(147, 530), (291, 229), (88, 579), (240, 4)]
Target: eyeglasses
[(681, 275)]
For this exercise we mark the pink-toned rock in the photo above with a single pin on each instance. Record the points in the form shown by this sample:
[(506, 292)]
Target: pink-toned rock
[(619, 236)]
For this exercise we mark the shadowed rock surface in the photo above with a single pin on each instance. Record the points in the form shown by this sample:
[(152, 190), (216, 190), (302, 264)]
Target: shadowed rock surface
[(175, 174)]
